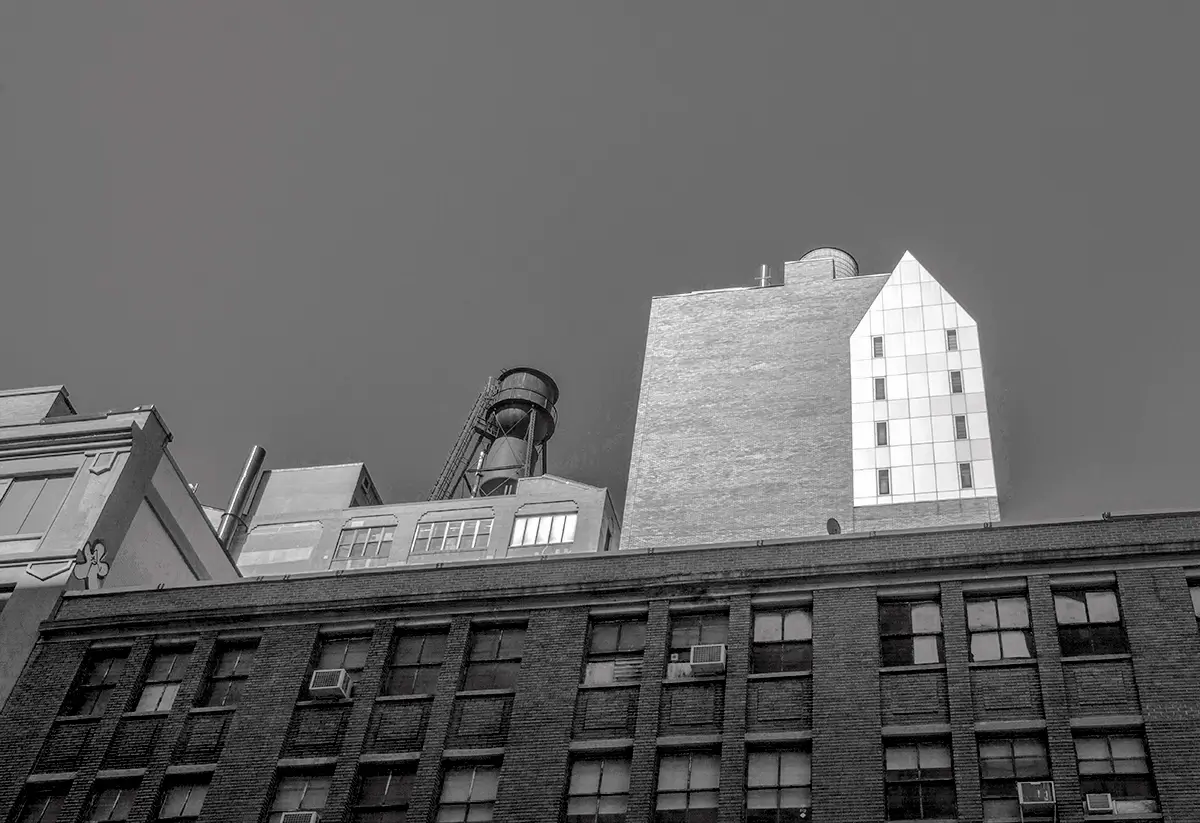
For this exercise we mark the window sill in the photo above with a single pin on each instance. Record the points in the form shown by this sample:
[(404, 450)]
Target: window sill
[(145, 714), (341, 701), (918, 667), (1004, 663), (778, 675), (485, 693), (1139, 816), (711, 678), (402, 698), (627, 684), (78, 718), (1097, 658), (212, 709)]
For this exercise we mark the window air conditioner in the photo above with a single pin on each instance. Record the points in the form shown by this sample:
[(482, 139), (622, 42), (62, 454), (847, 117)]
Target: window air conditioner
[(708, 659), (1039, 793), (301, 817), (327, 683), (1099, 804)]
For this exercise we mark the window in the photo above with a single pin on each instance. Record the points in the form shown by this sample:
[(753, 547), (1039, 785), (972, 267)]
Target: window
[(362, 548), (885, 481), (494, 659), (349, 653), (778, 786), (228, 677), (1195, 603), (183, 801), (415, 664), (999, 628), (1003, 762), (782, 641), (615, 651), (162, 680), (383, 796), (960, 427), (689, 630), (881, 438), (1116, 764), (687, 788), (910, 633), (42, 804), (110, 801), (964, 475), (452, 536), (880, 389), (951, 339), (94, 685), (956, 386), (877, 346), (468, 793), (598, 791), (28, 504), (298, 793), (1089, 622), (546, 530), (920, 781)]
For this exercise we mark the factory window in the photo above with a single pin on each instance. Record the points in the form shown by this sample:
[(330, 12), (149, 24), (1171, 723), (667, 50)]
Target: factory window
[(182, 802), (960, 427), (163, 679), (1003, 762), (615, 650), (689, 630), (415, 664), (964, 476), (920, 781), (881, 432), (362, 548), (28, 504), (1089, 622), (778, 786), (349, 653), (910, 632), (110, 801), (598, 791), (494, 658), (89, 695), (885, 481), (956, 384), (999, 628), (298, 793), (687, 788), (1116, 764), (951, 339), (782, 641), (880, 389), (229, 674), (452, 536), (468, 794), (546, 530), (43, 803), (877, 346), (383, 795)]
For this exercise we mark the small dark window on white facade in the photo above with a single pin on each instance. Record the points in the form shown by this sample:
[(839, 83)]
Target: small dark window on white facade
[(877, 346), (964, 476), (956, 386), (880, 389), (885, 481), (951, 339), (881, 432), (960, 427)]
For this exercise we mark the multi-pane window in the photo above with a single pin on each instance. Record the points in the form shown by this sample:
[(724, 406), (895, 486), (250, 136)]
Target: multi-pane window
[(298, 793), (615, 651), (782, 641), (494, 658), (229, 674), (999, 628), (1003, 762), (951, 339), (383, 796), (880, 389), (701, 629), (452, 536), (920, 781), (163, 679), (910, 632), (29, 504), (1089, 622), (965, 480), (1116, 764), (546, 530), (885, 481), (94, 684), (42, 803), (415, 664), (468, 794), (598, 791), (881, 438), (687, 788), (182, 802), (778, 786), (349, 653), (362, 548), (110, 801), (956, 384), (877, 346), (960, 427)]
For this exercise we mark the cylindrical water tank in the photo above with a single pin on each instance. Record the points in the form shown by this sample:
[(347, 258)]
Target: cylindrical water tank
[(844, 265), (523, 395)]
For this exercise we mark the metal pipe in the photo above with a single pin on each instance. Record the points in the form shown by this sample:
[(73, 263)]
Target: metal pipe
[(233, 514)]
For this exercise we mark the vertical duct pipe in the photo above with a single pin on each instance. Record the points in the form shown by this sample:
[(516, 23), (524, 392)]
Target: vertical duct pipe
[(237, 502)]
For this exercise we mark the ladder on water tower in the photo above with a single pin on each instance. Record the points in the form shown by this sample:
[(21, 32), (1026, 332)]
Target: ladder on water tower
[(475, 429)]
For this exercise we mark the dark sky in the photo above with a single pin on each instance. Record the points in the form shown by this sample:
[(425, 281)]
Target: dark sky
[(320, 226)]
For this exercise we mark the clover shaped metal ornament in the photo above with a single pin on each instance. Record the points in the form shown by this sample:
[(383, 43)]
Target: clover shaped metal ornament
[(90, 566)]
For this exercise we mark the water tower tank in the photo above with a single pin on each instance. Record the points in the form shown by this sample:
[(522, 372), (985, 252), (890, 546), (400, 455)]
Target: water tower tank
[(844, 264), (522, 410)]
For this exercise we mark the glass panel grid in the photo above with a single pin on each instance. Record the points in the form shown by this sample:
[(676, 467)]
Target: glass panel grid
[(910, 632), (452, 536), (544, 530)]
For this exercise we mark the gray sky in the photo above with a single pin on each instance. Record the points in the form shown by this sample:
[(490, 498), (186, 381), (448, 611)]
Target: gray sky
[(320, 226)]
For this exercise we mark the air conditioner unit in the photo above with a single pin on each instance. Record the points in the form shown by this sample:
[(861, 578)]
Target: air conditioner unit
[(624, 670), (1099, 804), (300, 817), (328, 683), (708, 659), (1039, 793)]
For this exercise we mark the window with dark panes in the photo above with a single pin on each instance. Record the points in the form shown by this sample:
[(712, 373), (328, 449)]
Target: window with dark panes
[(42, 804), (920, 781), (951, 339), (778, 786), (689, 630), (1089, 622), (363, 548), (229, 674), (999, 628), (494, 658), (910, 632), (687, 788), (598, 791), (877, 346), (960, 427), (956, 382), (1004, 762), (782, 641), (89, 695), (884, 478), (881, 433), (182, 802), (880, 389), (349, 653), (383, 796), (415, 664), (468, 794), (28, 505), (615, 650), (965, 480), (110, 801), (1117, 764), (162, 681), (298, 793)]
